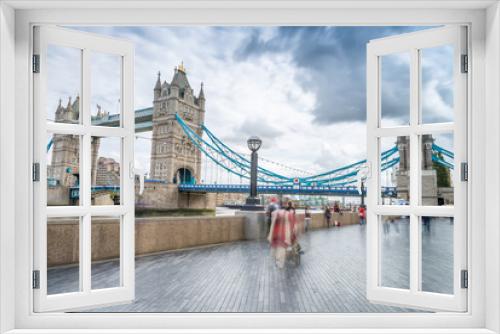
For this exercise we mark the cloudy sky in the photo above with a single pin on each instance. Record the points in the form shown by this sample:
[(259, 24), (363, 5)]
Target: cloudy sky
[(301, 89)]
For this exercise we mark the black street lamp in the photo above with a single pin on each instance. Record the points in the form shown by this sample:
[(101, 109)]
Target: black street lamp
[(254, 144)]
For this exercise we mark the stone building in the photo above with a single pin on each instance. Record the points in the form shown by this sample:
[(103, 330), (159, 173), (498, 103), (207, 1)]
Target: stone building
[(173, 157), (63, 170), (64, 164), (431, 193)]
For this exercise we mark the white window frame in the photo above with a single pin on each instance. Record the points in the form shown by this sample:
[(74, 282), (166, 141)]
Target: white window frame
[(411, 44), (86, 296), (15, 165)]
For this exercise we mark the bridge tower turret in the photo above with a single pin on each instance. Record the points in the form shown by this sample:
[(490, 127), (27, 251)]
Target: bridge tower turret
[(201, 102), (157, 89), (65, 148), (428, 181), (403, 172), (174, 158)]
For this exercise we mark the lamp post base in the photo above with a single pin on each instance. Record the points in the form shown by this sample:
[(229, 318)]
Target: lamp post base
[(252, 201), (252, 204)]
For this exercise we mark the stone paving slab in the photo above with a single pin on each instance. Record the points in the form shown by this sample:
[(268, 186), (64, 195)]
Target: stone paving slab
[(242, 277)]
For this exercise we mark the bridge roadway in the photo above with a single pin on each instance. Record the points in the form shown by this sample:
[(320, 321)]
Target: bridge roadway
[(143, 120), (245, 189), (241, 276), (280, 189)]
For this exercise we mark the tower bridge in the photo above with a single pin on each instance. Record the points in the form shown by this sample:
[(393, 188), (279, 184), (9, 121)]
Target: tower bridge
[(143, 120), (180, 140)]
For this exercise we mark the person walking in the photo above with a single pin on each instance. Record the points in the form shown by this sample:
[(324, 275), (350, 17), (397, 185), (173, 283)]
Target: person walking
[(362, 214), (328, 216), (290, 207), (336, 207), (307, 218), (337, 213), (273, 205), (282, 234)]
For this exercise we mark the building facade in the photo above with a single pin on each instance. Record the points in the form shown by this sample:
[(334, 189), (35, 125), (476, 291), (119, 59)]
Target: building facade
[(432, 192), (174, 158)]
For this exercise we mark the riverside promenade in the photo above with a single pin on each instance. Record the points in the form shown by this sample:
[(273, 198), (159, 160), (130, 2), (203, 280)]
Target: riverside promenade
[(241, 276)]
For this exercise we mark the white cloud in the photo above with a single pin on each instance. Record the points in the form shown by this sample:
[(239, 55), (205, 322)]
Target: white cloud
[(241, 93)]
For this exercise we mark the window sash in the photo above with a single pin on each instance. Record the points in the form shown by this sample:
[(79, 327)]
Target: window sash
[(86, 296), (413, 43)]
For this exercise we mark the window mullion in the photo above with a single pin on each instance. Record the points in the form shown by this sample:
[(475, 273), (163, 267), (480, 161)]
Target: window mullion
[(414, 171), (86, 175)]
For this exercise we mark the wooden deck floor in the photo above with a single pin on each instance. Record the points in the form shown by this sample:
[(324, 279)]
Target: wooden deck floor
[(241, 277)]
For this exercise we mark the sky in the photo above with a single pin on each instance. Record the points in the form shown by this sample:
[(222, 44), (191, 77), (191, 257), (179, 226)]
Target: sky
[(301, 89)]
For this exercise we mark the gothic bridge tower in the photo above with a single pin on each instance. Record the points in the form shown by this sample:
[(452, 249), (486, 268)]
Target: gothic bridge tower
[(174, 158), (428, 177)]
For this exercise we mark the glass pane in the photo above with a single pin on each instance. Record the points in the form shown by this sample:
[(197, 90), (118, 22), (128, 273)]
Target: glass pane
[(63, 169), (105, 89), (395, 170), (106, 157), (63, 84), (436, 98), (437, 169), (395, 252), (63, 255), (437, 254), (105, 252), (395, 89)]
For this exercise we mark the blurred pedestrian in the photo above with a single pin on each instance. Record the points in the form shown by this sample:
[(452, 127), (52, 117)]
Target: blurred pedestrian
[(282, 233), (362, 214), (336, 211), (307, 218), (328, 216), (272, 206)]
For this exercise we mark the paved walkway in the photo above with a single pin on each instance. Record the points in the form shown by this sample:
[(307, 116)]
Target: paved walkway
[(241, 277)]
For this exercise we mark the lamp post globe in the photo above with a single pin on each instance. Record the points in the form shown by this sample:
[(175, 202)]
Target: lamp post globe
[(254, 143)]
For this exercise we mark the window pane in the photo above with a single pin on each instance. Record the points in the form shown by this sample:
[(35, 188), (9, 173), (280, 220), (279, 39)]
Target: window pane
[(395, 89), (106, 171), (395, 252), (105, 252), (63, 84), (63, 169), (437, 175), (437, 254), (105, 89), (63, 255), (395, 170), (436, 97)]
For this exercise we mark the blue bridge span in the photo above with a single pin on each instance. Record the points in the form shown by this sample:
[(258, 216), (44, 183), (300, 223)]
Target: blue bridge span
[(277, 189), (342, 181)]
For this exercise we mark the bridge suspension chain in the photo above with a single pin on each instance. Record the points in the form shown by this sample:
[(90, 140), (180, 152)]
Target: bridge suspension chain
[(232, 161)]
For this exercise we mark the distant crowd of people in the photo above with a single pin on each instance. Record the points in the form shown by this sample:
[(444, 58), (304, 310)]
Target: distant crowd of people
[(284, 229), (327, 214)]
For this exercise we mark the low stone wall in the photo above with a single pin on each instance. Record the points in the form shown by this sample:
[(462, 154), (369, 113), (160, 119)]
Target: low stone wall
[(152, 235), (161, 234), (58, 195), (165, 196), (345, 218), (155, 234)]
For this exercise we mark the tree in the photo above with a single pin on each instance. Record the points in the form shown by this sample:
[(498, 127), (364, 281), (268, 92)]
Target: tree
[(442, 173)]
